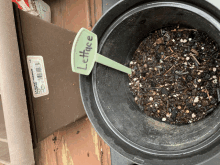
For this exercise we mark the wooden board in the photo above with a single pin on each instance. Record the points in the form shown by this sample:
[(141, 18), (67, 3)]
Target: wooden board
[(78, 143), (74, 14)]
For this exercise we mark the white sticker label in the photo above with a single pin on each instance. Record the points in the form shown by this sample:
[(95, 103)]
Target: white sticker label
[(38, 76)]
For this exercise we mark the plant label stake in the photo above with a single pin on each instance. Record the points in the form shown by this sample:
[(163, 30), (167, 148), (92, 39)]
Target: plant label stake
[(84, 54)]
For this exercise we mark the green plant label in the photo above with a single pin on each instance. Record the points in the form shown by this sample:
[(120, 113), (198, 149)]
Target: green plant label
[(84, 54)]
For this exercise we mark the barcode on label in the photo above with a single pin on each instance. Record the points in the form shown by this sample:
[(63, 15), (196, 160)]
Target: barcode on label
[(39, 75), (38, 69)]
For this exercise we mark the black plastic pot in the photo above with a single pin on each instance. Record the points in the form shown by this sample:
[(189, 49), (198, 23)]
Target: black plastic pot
[(110, 105)]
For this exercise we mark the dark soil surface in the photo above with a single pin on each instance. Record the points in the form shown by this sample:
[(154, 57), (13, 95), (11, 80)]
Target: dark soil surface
[(175, 75)]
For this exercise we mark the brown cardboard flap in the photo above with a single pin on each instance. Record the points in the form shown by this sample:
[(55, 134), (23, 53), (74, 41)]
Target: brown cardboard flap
[(63, 105)]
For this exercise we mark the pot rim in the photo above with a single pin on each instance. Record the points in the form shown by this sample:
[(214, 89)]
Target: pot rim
[(205, 15)]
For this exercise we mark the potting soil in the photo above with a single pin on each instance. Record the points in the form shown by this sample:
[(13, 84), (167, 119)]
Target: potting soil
[(175, 75)]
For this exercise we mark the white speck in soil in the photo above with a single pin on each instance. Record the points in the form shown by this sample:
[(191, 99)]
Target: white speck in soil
[(183, 40), (168, 115), (164, 119), (135, 79), (185, 63), (193, 115), (196, 100), (215, 81)]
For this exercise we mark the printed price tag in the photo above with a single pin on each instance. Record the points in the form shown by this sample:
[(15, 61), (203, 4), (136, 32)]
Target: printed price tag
[(38, 76)]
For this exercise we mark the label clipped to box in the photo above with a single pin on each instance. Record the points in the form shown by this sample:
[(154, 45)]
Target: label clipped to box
[(38, 76)]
